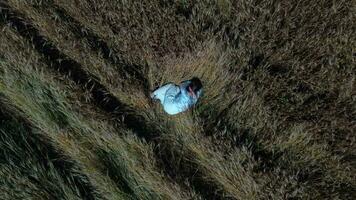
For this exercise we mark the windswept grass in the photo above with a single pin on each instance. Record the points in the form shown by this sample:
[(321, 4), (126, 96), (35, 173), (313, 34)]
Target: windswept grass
[(276, 120), (102, 149), (218, 171), (27, 171)]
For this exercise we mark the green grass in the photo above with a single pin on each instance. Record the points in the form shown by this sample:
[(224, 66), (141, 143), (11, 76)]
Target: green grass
[(26, 170), (276, 120)]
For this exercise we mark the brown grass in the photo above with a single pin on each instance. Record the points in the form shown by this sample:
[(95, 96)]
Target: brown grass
[(276, 120)]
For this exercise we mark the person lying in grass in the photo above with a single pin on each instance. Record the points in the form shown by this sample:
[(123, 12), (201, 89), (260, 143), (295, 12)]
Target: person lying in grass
[(178, 98)]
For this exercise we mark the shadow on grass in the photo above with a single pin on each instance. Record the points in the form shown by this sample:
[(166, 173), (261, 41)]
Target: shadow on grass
[(128, 71)]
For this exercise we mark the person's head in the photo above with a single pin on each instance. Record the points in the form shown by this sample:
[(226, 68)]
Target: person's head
[(194, 87)]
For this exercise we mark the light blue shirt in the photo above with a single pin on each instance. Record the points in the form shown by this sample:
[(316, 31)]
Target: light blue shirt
[(174, 98)]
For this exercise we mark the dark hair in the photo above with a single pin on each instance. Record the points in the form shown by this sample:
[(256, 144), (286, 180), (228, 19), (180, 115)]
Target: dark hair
[(195, 84)]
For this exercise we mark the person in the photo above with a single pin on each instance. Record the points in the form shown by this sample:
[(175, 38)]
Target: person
[(178, 98)]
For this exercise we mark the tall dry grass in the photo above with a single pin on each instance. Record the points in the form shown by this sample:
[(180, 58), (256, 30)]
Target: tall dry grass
[(276, 118), (216, 172), (27, 172), (118, 164)]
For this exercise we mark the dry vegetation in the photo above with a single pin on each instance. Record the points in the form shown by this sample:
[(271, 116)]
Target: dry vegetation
[(276, 120)]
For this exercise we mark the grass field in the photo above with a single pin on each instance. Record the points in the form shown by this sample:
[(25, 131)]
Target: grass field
[(276, 121)]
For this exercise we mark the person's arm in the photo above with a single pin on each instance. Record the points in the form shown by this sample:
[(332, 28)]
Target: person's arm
[(160, 92), (172, 93)]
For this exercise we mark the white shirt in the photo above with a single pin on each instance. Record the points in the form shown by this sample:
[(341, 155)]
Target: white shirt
[(174, 98)]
